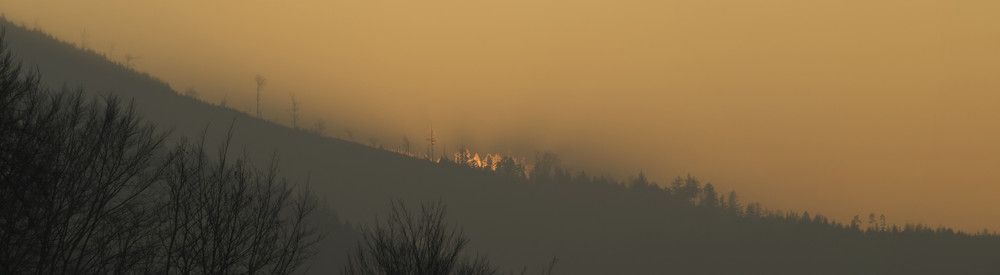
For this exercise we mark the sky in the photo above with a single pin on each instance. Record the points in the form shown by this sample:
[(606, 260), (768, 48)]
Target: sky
[(839, 107)]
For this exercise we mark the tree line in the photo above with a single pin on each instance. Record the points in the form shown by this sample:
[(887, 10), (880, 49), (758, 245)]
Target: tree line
[(685, 191)]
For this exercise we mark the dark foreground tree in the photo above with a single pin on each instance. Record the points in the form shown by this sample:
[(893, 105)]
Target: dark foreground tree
[(73, 176), (224, 216), (87, 187), (414, 243)]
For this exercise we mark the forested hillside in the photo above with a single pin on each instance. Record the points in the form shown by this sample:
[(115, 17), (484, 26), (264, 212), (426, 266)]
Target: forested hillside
[(524, 214)]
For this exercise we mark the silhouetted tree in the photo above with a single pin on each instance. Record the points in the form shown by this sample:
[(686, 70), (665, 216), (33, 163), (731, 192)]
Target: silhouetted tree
[(225, 216), (414, 243), (856, 222), (83, 39), (686, 189), (820, 219), (709, 198), (509, 167), (260, 80), (806, 217), (320, 127), (128, 60), (86, 187), (406, 144), (431, 139), (545, 165), (490, 161), (564, 175), (464, 157), (872, 224), (732, 203), (640, 182), (754, 210), (294, 112), (350, 135), (73, 175)]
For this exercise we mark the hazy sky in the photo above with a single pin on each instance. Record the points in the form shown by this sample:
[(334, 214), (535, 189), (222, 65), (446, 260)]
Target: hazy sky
[(835, 106)]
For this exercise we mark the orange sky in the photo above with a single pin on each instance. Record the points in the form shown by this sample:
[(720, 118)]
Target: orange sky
[(840, 107)]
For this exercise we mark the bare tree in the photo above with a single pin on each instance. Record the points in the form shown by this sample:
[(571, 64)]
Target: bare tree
[(260, 80), (320, 127), (350, 135), (432, 139), (295, 112), (414, 243), (128, 60), (74, 176), (86, 187), (226, 216), (83, 39), (406, 144)]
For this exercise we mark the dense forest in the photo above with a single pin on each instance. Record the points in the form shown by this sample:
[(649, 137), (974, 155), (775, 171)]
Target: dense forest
[(91, 184)]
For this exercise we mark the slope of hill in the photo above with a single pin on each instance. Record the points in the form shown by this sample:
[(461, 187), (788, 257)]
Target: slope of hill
[(592, 226)]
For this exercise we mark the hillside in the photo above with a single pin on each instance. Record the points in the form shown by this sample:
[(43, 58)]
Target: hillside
[(593, 225)]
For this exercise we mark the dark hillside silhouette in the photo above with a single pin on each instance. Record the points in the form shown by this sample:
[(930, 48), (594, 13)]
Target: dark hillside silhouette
[(528, 214)]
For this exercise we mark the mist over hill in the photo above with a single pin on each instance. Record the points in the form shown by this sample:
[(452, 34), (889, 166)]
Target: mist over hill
[(593, 225)]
